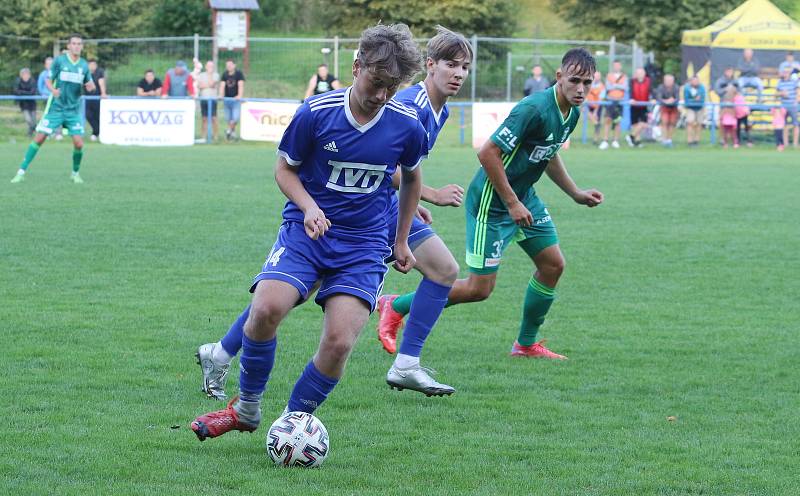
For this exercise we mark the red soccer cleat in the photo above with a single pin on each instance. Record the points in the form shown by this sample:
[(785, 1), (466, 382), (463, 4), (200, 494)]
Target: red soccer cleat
[(389, 323), (536, 350), (217, 423)]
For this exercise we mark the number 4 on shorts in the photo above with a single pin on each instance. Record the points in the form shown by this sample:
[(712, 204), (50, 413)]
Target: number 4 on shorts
[(275, 256)]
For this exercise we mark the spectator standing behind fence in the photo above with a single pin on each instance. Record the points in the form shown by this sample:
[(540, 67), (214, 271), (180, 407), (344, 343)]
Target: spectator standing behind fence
[(787, 92), (594, 111), (778, 125), (694, 99), (749, 68), (321, 82), (742, 114), (667, 95), (536, 82), (26, 86), (232, 87), (724, 81), (93, 106), (727, 117), (616, 89), (178, 82), (640, 92), (789, 63), (208, 84), (149, 85)]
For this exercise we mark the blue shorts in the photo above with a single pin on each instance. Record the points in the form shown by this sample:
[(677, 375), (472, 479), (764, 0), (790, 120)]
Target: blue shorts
[(354, 267), (418, 233)]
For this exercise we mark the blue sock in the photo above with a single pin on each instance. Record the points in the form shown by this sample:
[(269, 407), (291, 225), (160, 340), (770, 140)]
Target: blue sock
[(310, 390), (232, 341), (429, 301), (255, 364)]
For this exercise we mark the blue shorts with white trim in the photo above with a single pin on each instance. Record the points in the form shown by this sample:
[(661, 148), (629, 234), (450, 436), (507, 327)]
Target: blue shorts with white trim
[(343, 266)]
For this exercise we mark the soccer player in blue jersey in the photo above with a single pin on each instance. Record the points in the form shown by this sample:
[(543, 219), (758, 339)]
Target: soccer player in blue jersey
[(335, 165), (449, 56)]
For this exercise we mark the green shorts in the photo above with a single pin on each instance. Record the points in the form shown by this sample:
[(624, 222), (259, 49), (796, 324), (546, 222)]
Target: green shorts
[(53, 119), (488, 238)]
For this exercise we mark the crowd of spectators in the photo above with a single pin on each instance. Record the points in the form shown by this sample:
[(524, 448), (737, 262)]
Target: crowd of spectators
[(652, 103), (656, 108)]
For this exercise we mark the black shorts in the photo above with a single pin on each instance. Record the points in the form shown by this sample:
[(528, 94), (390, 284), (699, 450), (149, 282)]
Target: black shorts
[(638, 114), (613, 111), (204, 108)]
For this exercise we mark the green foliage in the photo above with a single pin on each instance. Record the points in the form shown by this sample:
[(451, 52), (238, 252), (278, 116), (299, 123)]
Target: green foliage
[(655, 25), (49, 20), (181, 18), (483, 17), (286, 16)]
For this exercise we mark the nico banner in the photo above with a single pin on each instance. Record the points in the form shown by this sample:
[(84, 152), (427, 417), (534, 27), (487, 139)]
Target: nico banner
[(266, 121)]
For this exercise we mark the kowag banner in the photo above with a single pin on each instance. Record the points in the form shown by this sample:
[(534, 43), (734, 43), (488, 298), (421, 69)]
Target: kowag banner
[(486, 118), (147, 122), (266, 121)]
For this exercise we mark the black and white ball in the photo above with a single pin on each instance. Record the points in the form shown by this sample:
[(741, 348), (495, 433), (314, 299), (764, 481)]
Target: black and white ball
[(297, 439)]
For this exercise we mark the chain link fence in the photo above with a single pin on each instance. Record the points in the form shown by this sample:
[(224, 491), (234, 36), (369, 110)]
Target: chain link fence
[(281, 67)]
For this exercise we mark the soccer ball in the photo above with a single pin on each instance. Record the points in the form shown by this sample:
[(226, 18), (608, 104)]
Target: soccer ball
[(297, 439)]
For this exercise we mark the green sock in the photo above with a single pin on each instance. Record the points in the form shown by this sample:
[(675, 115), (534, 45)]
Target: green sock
[(538, 299), (33, 149), (402, 304), (77, 155)]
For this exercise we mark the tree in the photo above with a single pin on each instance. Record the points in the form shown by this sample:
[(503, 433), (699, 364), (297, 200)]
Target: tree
[(655, 25), (181, 18), (31, 26), (482, 17)]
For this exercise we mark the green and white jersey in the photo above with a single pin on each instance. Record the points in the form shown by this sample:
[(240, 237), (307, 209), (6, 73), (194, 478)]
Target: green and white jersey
[(529, 137), (69, 77)]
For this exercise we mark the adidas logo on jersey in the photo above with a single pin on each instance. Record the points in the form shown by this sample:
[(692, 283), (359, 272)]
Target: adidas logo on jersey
[(331, 147), (549, 138)]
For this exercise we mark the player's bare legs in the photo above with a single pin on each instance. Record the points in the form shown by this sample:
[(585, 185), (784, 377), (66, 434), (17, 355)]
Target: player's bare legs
[(272, 301), (345, 317)]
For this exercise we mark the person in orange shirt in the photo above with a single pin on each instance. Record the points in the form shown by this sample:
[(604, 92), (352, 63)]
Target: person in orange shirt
[(593, 111), (616, 90)]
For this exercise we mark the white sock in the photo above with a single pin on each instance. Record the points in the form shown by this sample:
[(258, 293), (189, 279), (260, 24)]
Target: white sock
[(219, 354), (406, 361), (21, 172)]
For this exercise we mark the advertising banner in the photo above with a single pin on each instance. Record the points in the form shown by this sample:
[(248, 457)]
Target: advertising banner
[(266, 121), (147, 122), (486, 118)]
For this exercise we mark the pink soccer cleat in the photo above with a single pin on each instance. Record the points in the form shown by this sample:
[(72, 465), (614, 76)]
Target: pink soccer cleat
[(536, 350), (389, 323)]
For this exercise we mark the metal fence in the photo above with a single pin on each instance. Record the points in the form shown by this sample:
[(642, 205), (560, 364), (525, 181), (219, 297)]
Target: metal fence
[(281, 67)]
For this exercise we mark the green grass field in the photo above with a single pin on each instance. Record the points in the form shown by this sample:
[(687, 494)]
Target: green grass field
[(679, 300)]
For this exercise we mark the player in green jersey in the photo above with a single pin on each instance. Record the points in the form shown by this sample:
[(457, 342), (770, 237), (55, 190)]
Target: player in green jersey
[(68, 75), (502, 205)]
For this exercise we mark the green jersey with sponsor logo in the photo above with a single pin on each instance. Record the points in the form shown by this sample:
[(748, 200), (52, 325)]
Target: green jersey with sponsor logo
[(69, 77), (529, 137)]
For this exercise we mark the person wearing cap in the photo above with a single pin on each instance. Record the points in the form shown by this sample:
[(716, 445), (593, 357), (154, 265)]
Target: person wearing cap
[(178, 82)]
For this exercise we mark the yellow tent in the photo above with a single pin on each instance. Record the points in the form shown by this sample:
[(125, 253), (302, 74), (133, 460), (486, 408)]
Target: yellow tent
[(756, 24)]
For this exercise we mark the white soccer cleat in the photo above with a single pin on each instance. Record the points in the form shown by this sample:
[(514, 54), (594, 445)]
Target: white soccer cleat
[(417, 379), (603, 145), (214, 374), (615, 144)]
